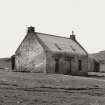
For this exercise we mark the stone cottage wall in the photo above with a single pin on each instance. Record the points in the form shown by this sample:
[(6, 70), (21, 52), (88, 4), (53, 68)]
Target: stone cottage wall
[(30, 56), (102, 67), (91, 64), (64, 64)]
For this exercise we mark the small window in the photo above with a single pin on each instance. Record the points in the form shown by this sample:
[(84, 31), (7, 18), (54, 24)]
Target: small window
[(58, 47), (79, 65)]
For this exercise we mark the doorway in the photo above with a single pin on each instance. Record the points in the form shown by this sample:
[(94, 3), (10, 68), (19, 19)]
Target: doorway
[(13, 62), (79, 65), (68, 65), (56, 65), (96, 67)]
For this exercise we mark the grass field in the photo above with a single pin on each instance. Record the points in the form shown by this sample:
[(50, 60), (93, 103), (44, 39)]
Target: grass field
[(50, 89)]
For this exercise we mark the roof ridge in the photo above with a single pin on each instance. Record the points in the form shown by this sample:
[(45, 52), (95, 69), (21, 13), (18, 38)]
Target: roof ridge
[(53, 35), (81, 47)]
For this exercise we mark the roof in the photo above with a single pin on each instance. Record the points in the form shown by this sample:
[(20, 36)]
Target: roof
[(100, 56), (91, 56), (60, 44)]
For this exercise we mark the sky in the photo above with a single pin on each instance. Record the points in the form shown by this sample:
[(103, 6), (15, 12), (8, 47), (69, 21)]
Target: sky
[(57, 17)]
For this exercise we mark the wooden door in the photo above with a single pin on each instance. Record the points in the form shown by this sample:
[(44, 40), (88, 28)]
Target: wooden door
[(56, 65), (68, 66), (13, 62), (96, 67)]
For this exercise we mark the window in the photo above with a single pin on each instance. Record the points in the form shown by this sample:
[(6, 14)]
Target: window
[(79, 65)]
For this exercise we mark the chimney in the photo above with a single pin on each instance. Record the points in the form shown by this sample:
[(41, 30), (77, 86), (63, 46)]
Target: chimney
[(31, 29), (72, 37)]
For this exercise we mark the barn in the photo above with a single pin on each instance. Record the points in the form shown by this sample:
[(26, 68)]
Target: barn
[(45, 53), (100, 58)]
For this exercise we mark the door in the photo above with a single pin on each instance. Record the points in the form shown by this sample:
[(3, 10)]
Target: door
[(79, 65), (56, 65), (68, 65), (96, 67), (13, 62)]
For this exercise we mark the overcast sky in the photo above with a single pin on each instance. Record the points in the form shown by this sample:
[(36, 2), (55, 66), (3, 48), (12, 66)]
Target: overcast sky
[(58, 17)]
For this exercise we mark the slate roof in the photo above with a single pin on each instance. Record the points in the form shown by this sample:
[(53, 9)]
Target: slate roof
[(59, 44), (99, 56)]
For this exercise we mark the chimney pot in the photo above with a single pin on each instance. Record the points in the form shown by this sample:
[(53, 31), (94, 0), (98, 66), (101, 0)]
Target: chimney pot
[(72, 37), (31, 29)]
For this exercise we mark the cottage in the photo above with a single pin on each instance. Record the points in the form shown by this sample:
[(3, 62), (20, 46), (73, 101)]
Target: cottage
[(40, 52)]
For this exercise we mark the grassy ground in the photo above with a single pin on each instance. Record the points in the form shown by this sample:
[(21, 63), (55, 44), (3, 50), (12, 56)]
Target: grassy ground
[(50, 89)]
